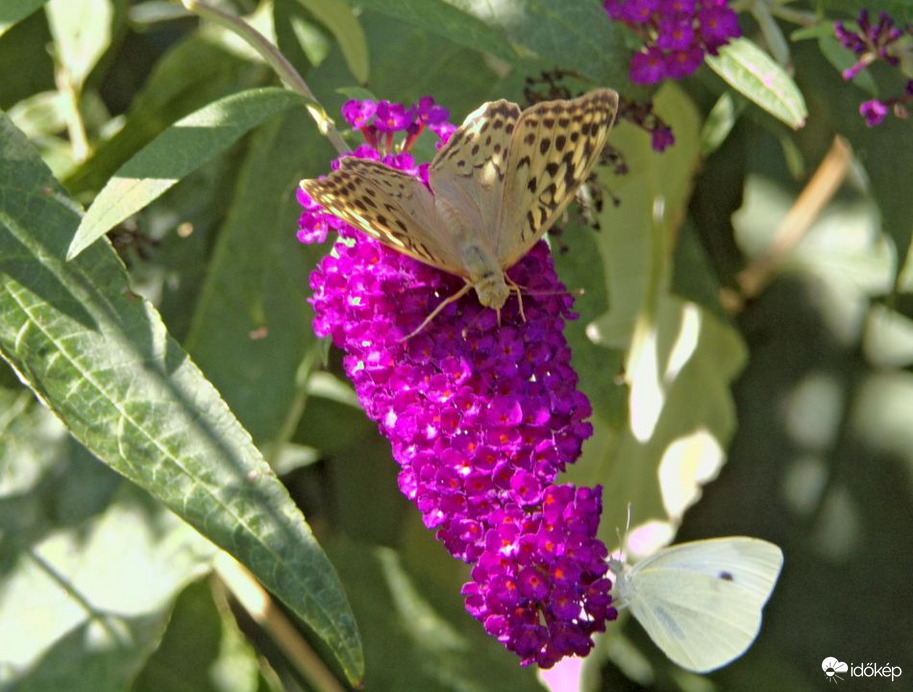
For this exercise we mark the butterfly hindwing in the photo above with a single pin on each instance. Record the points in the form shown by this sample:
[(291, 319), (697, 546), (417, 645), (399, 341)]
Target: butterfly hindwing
[(390, 206), (554, 147)]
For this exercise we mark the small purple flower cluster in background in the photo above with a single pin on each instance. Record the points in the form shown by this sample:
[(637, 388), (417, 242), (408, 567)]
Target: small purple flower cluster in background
[(676, 34), (873, 43), (481, 417)]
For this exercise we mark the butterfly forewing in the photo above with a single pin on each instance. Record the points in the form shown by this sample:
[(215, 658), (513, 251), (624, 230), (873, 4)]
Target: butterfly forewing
[(553, 149), (389, 205)]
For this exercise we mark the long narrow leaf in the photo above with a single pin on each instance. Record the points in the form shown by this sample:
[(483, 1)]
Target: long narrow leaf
[(100, 358), (174, 154)]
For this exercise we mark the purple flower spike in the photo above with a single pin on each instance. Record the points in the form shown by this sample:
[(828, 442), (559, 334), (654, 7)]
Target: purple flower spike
[(481, 417), (676, 34), (479, 440)]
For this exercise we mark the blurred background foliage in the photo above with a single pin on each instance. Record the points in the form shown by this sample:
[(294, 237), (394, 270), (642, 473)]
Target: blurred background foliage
[(747, 345)]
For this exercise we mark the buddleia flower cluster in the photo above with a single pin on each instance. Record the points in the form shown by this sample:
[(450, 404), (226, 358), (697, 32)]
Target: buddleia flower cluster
[(676, 34), (481, 416), (873, 43)]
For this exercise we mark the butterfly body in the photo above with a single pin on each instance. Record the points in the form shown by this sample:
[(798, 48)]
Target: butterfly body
[(494, 189)]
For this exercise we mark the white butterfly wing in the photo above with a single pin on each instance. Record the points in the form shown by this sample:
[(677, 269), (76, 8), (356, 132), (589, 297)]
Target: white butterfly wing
[(701, 602)]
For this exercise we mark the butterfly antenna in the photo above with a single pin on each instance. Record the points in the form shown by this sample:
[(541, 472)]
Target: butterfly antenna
[(434, 313), (622, 540), (520, 290)]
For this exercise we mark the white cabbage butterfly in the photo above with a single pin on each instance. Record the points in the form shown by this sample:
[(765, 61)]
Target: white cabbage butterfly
[(701, 602)]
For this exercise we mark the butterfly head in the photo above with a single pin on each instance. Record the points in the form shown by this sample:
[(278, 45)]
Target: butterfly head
[(486, 276), (492, 290), (621, 572)]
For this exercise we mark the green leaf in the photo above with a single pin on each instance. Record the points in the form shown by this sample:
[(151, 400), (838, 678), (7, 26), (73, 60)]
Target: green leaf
[(720, 121), (148, 13), (100, 358), (14, 11), (197, 71), (550, 33), (253, 351), (340, 21), (89, 559), (178, 151), (223, 660), (82, 31), (754, 74), (418, 636), (419, 63), (671, 443), (26, 44), (444, 19), (43, 113), (81, 591)]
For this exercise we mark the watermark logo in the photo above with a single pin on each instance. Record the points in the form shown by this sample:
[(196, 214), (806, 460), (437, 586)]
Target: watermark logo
[(833, 668)]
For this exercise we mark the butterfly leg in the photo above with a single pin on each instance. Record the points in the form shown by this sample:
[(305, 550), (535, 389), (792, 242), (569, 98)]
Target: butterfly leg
[(514, 286), (444, 303)]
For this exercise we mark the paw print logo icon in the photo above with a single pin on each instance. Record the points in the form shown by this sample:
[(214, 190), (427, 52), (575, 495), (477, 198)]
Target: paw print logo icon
[(831, 666)]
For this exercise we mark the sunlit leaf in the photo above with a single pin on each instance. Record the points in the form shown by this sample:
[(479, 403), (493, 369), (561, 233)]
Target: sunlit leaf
[(755, 75)]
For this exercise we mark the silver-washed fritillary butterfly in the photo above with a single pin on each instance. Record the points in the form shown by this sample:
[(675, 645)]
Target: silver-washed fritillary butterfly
[(497, 186)]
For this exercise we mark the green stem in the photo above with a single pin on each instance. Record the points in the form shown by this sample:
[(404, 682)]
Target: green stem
[(282, 67), (795, 16), (79, 140)]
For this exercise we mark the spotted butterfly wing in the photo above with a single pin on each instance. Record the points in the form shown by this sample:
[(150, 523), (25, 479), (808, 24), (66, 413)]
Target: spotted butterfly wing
[(390, 206), (554, 147)]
